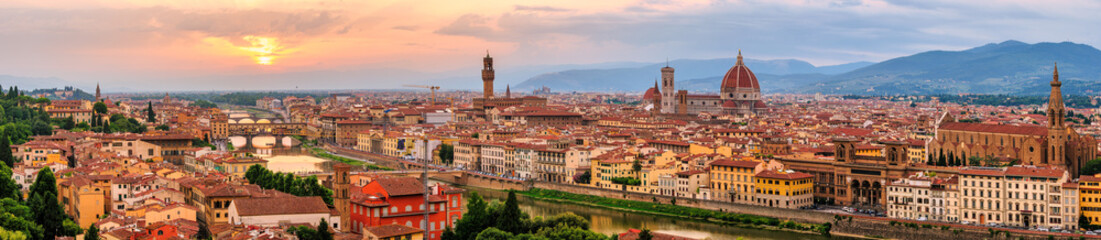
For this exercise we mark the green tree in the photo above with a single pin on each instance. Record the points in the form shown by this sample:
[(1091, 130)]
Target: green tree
[(5, 152), (476, 219), (8, 188), (974, 161), (99, 107), (564, 232), (568, 218), (511, 218), (12, 235), (645, 235), (68, 123), (493, 233), (92, 233), (323, 230), (44, 183), (941, 161), (584, 178), (447, 153), (162, 127), (1091, 167), (151, 116), (47, 211)]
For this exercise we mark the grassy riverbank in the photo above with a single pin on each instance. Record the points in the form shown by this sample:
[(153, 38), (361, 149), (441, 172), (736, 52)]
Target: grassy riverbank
[(316, 151), (740, 220)]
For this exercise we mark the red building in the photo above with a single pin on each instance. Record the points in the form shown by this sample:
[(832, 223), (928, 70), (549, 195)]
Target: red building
[(401, 201)]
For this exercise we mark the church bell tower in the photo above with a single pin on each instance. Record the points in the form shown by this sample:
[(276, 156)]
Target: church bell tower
[(1056, 127), (487, 76)]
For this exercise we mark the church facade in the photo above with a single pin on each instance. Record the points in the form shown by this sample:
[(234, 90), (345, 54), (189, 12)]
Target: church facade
[(1053, 145), (739, 94)]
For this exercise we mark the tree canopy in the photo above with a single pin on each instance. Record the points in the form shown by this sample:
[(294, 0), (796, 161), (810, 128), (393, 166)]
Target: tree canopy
[(1091, 167), (288, 183), (491, 221)]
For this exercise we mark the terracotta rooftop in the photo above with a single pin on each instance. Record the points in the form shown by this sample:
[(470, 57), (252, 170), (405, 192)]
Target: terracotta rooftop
[(994, 128), (733, 163), (401, 186), (280, 206), (392, 230), (783, 175)]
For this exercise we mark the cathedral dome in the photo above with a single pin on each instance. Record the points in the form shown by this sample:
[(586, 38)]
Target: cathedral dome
[(650, 93), (739, 76)]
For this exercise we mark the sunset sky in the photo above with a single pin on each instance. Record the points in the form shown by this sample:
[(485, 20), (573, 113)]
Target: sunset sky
[(243, 44)]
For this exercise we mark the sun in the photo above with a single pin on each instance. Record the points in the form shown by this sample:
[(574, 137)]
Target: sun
[(264, 60), (264, 49)]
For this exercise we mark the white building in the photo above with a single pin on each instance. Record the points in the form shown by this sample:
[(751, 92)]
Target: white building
[(922, 197)]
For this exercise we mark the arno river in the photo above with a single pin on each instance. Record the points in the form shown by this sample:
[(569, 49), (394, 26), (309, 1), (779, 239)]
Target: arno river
[(608, 221)]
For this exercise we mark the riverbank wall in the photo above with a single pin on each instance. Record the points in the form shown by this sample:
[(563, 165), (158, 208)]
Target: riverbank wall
[(917, 230), (859, 226), (779, 213), (491, 182)]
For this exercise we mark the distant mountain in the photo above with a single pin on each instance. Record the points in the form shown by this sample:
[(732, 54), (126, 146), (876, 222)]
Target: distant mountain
[(697, 74), (30, 83), (1010, 67)]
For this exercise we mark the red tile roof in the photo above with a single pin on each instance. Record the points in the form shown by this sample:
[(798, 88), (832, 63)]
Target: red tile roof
[(280, 206), (994, 128), (783, 175), (1034, 172), (732, 163), (401, 186), (392, 230)]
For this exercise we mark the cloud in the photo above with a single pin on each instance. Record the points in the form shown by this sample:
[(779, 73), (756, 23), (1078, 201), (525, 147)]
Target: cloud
[(846, 3), (541, 9), (406, 27), (468, 25)]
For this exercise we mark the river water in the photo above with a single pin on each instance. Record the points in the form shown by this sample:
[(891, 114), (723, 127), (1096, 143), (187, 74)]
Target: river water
[(607, 221)]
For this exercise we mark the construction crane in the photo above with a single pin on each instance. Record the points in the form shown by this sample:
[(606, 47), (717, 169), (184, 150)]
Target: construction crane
[(432, 88)]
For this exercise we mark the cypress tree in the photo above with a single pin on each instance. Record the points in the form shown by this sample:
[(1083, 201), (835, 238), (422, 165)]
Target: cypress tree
[(511, 218), (5, 152), (323, 231), (92, 233), (151, 116)]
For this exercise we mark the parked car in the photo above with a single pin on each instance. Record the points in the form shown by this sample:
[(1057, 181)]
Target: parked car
[(922, 219), (1042, 229), (847, 209)]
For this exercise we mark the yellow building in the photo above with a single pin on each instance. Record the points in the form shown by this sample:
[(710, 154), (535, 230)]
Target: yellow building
[(392, 232), (1089, 188), (696, 148), (40, 153), (784, 189), (916, 151), (236, 167), (615, 171), (869, 150), (171, 212), (732, 180), (84, 198)]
